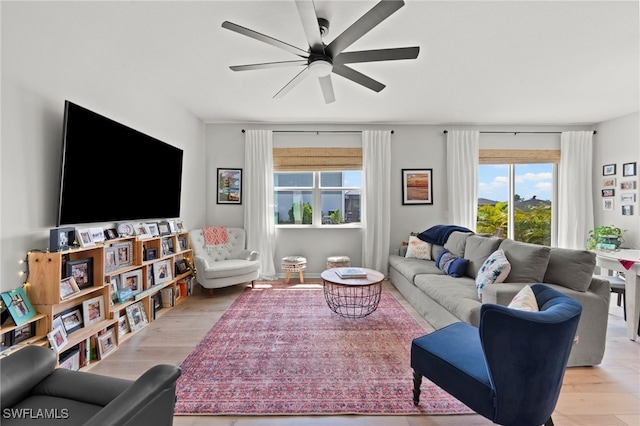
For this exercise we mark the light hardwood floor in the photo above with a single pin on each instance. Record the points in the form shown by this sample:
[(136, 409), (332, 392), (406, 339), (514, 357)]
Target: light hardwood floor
[(608, 394)]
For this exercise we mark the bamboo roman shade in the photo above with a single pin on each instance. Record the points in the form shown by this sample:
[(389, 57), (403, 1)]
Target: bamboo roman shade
[(519, 156), (317, 159)]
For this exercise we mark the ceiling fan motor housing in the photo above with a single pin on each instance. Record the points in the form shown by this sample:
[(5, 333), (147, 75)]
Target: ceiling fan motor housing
[(323, 24)]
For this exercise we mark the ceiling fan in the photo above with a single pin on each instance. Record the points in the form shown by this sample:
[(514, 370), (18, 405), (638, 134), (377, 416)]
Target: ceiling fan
[(321, 59)]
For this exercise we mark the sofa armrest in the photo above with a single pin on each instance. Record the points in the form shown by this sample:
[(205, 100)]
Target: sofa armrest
[(247, 255), (202, 264), (501, 293), (22, 370)]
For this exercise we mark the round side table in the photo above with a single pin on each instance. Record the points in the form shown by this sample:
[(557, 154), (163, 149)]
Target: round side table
[(352, 297)]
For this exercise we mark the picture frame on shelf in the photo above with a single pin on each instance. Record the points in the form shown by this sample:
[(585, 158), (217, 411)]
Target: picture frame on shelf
[(608, 170), (123, 326), (609, 182), (179, 225), (132, 280), (627, 210), (111, 233), (68, 288), (125, 229), (82, 271), (417, 186), (93, 310), (136, 316), (182, 267), (167, 246), (142, 231), (229, 187), (151, 253), (18, 305), (162, 272), (150, 279), (83, 235), (115, 286), (72, 319), (57, 339), (125, 253), (57, 322), (61, 238), (97, 234), (153, 228), (608, 192), (607, 204), (164, 228), (23, 333), (628, 184), (111, 259), (172, 226), (182, 243), (629, 169), (107, 343)]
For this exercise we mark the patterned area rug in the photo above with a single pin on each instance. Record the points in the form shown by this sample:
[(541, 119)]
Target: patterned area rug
[(279, 349)]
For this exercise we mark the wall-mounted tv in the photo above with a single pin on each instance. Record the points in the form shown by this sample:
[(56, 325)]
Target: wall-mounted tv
[(111, 172)]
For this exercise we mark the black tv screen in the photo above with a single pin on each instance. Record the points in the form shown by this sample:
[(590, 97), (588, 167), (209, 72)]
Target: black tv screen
[(111, 172)]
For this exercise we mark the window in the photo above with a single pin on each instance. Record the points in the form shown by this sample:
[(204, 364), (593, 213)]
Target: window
[(515, 195), (318, 198)]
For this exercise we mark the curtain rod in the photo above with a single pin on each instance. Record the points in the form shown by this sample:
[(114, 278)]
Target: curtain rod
[(515, 133), (317, 131)]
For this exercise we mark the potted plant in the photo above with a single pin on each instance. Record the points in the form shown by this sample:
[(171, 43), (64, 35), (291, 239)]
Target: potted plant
[(610, 236)]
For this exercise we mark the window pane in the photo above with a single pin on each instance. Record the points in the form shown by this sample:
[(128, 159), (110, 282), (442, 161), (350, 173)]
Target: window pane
[(493, 199), (532, 203), (347, 179), (293, 180), (294, 207), (340, 207)]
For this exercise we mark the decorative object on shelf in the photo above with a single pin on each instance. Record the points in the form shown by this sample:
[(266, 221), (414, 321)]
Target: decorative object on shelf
[(153, 227), (57, 339), (123, 326), (132, 280), (629, 169), (111, 259), (608, 169), (97, 234), (142, 231), (172, 226), (111, 233), (125, 229), (83, 235), (82, 271), (627, 210), (179, 225), (93, 310), (115, 286), (61, 238), (136, 316), (72, 319), (417, 186), (167, 246), (182, 243), (18, 305), (151, 254), (125, 253), (23, 332), (608, 192), (68, 288), (162, 272), (106, 343), (182, 266), (229, 186), (606, 237), (57, 322), (125, 294), (164, 228)]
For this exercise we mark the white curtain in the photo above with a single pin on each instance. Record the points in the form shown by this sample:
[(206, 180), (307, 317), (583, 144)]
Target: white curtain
[(462, 177), (575, 197), (258, 194), (376, 214)]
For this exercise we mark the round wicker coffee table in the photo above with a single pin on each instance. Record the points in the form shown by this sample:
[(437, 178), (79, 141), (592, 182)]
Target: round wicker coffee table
[(352, 297)]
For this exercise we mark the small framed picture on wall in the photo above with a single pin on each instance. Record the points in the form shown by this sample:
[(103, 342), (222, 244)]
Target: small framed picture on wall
[(629, 169), (229, 190), (608, 169)]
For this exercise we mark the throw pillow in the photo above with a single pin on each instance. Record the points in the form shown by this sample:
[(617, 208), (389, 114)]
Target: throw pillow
[(418, 249), (494, 270), (525, 300), (451, 265)]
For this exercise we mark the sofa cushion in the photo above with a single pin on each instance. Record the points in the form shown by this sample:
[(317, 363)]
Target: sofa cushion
[(231, 267), (409, 267), (570, 268), (477, 250), (418, 249), (528, 261), (457, 295), (452, 265), (456, 243), (525, 300), (494, 270)]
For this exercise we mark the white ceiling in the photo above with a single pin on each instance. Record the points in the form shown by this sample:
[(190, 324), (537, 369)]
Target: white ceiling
[(480, 62)]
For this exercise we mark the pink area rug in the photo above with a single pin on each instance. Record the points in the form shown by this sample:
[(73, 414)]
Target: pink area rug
[(279, 349)]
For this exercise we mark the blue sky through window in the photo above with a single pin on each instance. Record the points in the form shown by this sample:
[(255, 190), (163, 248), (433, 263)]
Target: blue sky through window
[(531, 179)]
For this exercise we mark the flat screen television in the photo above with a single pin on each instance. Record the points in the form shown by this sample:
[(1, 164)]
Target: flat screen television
[(111, 172)]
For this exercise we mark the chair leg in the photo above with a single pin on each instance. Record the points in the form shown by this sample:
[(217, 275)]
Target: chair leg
[(210, 292), (301, 276), (417, 381), (549, 422), (286, 278)]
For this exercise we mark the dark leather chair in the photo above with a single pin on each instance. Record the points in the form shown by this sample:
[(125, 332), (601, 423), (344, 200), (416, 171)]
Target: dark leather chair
[(510, 368), (34, 391)]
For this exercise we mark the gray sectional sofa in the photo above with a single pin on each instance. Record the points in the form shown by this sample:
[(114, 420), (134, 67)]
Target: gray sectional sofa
[(442, 299)]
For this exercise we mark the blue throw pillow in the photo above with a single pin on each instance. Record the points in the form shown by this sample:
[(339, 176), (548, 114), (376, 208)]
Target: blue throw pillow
[(451, 265)]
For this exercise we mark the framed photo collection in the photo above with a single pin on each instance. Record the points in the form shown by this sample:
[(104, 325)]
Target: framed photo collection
[(626, 187)]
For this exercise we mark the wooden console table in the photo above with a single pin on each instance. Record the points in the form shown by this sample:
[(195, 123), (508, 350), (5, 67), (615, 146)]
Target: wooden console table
[(611, 260)]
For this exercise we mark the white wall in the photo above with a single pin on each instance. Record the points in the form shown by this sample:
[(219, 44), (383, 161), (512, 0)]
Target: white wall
[(617, 142), (41, 67)]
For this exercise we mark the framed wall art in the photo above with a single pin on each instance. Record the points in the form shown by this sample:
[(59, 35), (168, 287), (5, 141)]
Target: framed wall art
[(629, 169), (609, 183), (229, 186), (627, 210), (608, 192), (608, 169), (607, 204), (628, 184), (417, 186)]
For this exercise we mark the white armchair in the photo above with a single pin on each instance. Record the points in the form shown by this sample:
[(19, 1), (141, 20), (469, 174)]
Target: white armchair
[(224, 265)]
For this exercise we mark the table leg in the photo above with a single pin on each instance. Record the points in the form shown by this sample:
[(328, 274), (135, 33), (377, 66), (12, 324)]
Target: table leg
[(632, 302), (286, 278)]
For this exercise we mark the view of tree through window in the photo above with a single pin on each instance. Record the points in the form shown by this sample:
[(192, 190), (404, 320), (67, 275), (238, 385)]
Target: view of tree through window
[(528, 189)]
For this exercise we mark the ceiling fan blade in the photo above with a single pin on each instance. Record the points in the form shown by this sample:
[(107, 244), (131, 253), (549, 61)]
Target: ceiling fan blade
[(327, 89), (357, 77), (267, 65), (264, 38), (293, 83), (368, 21), (377, 55), (307, 12)]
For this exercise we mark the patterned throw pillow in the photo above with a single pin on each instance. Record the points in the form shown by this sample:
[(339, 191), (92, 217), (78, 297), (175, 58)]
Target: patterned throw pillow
[(452, 265), (525, 300), (494, 270), (418, 249)]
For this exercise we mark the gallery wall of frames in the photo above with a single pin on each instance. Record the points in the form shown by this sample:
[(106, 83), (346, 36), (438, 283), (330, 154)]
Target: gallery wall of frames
[(619, 188), (94, 288)]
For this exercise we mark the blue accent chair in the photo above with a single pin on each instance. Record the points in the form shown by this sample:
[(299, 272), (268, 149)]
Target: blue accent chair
[(510, 368)]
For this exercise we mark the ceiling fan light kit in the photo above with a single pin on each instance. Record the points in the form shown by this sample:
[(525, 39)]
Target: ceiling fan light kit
[(321, 60)]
